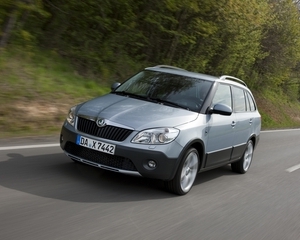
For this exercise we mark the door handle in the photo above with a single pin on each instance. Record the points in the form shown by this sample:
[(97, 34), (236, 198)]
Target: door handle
[(233, 123), (251, 120)]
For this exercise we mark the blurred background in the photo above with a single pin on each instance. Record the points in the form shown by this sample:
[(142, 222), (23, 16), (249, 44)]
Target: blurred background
[(55, 54)]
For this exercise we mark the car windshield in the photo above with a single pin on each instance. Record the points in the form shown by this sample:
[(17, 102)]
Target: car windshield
[(165, 88)]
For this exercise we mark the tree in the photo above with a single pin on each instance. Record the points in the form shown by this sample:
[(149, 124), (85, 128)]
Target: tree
[(16, 14), (240, 33), (281, 44)]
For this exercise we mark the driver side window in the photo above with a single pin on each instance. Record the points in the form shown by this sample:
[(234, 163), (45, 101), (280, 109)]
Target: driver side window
[(223, 95)]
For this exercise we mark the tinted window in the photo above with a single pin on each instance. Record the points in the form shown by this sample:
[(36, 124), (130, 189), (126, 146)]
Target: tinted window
[(251, 102), (186, 91), (223, 95), (248, 108), (239, 100)]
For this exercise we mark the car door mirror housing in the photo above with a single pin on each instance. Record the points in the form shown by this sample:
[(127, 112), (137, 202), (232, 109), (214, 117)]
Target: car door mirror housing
[(221, 109), (114, 86)]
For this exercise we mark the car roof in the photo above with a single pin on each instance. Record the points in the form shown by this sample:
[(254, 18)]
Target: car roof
[(179, 71)]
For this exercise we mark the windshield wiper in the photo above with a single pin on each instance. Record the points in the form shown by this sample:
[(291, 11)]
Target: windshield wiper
[(166, 102), (156, 100), (124, 93)]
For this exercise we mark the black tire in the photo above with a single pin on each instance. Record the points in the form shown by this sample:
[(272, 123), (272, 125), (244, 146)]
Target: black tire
[(186, 173), (243, 164)]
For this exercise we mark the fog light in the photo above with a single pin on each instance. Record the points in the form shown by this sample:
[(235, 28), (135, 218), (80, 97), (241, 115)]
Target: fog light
[(151, 164), (61, 138)]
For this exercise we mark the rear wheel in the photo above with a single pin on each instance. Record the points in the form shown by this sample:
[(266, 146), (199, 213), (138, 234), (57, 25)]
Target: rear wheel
[(242, 165), (186, 174)]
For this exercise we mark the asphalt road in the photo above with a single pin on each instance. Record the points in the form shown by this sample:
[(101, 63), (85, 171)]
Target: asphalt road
[(44, 195)]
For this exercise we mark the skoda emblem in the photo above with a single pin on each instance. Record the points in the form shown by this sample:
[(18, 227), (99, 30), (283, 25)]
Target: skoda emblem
[(100, 122)]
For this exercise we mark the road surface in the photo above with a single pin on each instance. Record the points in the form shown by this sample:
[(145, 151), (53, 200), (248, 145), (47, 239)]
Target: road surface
[(46, 196)]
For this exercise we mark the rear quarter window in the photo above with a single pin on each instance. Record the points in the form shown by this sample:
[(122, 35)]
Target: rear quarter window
[(251, 103)]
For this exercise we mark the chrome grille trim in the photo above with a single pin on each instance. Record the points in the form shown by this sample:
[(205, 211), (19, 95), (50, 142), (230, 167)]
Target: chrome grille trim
[(132, 173), (99, 159), (107, 132)]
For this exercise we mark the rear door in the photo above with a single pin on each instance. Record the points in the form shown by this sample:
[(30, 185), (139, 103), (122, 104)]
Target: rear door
[(244, 119)]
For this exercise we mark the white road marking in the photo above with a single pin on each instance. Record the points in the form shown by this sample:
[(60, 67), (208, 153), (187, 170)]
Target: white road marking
[(294, 168), (57, 145), (280, 130), (29, 146)]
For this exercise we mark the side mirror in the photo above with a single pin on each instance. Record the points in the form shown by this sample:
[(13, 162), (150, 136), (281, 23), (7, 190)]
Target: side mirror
[(221, 109), (114, 86)]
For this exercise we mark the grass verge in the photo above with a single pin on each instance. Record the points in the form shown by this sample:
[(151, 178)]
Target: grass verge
[(38, 88)]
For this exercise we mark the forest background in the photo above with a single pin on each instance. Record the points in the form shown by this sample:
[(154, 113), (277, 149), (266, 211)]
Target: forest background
[(55, 54)]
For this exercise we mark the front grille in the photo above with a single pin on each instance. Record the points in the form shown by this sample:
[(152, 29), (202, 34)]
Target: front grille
[(106, 132), (99, 157)]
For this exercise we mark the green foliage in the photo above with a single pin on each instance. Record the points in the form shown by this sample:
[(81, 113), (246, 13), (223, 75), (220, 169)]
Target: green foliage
[(240, 33), (39, 87), (41, 74), (281, 44), (277, 110), (108, 40), (16, 14), (47, 46)]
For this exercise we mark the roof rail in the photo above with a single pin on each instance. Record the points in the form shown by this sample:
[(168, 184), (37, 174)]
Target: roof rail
[(170, 67), (226, 77)]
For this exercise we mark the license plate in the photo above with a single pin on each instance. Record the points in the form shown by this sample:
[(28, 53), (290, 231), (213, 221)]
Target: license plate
[(96, 145)]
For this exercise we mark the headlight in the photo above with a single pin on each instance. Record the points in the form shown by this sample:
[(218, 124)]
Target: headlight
[(156, 136), (71, 116)]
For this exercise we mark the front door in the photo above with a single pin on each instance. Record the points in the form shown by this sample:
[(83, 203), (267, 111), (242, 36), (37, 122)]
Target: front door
[(220, 130)]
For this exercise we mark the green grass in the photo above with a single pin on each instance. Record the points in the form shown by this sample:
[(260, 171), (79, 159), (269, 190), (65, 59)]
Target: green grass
[(37, 88), (277, 110)]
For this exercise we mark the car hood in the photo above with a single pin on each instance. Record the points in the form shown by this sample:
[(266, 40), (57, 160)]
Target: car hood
[(134, 113)]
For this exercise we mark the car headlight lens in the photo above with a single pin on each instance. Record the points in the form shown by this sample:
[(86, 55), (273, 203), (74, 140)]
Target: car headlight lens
[(71, 116), (156, 136)]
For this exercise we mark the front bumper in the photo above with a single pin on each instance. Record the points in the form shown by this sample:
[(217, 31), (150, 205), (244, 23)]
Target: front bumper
[(129, 158)]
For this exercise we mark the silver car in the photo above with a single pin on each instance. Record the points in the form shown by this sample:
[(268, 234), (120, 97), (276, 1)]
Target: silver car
[(166, 123)]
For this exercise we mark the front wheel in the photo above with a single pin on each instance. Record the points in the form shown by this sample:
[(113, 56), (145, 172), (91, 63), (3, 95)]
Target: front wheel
[(186, 174), (242, 165)]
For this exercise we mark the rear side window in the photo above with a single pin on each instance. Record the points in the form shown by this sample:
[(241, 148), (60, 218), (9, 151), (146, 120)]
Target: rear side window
[(239, 99)]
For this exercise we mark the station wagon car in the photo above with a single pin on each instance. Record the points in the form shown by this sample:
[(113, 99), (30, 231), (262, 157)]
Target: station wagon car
[(166, 123)]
